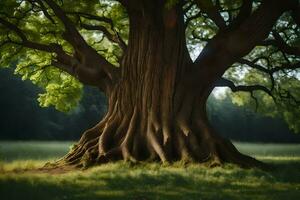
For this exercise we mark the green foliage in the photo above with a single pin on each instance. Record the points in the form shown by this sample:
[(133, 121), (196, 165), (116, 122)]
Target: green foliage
[(64, 95), (59, 89)]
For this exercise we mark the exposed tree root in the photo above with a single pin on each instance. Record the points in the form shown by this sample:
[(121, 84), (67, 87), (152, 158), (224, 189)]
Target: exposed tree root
[(109, 141)]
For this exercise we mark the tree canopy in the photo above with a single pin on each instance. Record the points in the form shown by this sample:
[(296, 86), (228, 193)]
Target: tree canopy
[(40, 37)]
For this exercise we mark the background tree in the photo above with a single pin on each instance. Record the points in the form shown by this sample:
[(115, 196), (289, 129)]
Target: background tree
[(243, 123), (23, 119), (136, 52)]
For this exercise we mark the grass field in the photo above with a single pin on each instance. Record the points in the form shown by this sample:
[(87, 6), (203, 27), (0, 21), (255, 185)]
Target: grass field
[(148, 181)]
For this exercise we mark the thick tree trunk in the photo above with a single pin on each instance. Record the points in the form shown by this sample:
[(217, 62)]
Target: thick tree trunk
[(157, 110)]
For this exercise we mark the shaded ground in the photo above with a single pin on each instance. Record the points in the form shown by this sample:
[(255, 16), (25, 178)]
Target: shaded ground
[(151, 181)]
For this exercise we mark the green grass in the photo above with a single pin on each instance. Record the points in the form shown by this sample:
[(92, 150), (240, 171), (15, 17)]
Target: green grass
[(148, 181), (12, 151)]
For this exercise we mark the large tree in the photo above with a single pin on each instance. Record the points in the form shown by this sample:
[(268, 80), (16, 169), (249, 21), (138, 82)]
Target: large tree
[(157, 61)]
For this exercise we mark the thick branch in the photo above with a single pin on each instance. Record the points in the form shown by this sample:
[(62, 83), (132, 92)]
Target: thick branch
[(231, 45), (212, 12), (244, 13), (72, 35), (63, 61), (51, 48), (257, 27), (86, 64), (43, 8), (14, 28), (90, 60)]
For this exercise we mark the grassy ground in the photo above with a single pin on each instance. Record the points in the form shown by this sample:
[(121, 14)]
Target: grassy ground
[(148, 181)]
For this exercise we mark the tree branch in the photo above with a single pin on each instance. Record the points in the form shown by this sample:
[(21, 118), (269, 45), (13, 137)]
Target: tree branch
[(51, 48), (270, 71), (111, 37), (296, 14), (188, 7), (242, 88), (93, 17), (123, 2), (286, 67), (14, 28), (254, 65), (281, 44), (212, 12), (43, 9), (71, 35), (86, 64), (287, 95), (62, 60), (230, 45), (244, 13), (89, 60)]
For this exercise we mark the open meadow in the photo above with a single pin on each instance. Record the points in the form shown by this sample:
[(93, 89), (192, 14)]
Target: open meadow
[(148, 181)]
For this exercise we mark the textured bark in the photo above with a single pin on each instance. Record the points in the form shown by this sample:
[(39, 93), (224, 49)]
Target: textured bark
[(157, 109)]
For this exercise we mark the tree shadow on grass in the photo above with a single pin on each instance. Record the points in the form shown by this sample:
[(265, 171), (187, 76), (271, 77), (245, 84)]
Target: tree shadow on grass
[(143, 184), (287, 172)]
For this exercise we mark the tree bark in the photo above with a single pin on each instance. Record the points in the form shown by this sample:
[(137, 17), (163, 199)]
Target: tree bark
[(157, 109)]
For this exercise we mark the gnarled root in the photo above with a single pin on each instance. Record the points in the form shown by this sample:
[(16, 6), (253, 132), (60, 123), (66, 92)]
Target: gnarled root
[(121, 139)]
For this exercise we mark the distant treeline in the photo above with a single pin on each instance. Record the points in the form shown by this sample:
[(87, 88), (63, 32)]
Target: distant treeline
[(244, 124), (21, 118)]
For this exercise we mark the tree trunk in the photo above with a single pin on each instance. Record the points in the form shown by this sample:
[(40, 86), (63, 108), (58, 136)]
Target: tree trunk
[(157, 109)]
